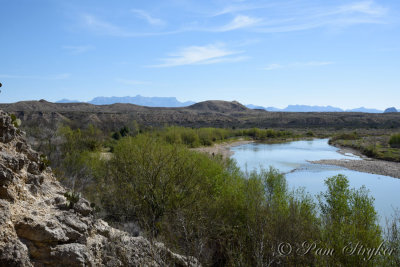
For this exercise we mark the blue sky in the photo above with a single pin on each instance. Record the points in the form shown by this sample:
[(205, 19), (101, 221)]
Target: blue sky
[(270, 53)]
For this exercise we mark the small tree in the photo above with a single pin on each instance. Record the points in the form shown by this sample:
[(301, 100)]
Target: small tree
[(348, 218)]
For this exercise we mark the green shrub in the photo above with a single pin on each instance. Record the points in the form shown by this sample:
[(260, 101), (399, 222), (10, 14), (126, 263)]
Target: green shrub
[(348, 218), (72, 198), (346, 136), (46, 162), (116, 135), (190, 138), (395, 141), (370, 151), (310, 133), (15, 121)]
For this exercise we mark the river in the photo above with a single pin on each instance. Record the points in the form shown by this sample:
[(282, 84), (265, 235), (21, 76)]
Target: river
[(292, 159)]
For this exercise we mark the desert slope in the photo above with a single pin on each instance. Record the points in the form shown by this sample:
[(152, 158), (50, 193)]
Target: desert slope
[(203, 114)]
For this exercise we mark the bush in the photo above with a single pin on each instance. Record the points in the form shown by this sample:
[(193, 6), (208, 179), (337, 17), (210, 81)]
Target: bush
[(15, 121), (72, 199), (310, 133), (346, 136), (190, 138), (147, 179), (395, 141), (348, 218), (79, 150)]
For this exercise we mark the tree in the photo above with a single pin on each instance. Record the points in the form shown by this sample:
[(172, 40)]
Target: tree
[(349, 220), (147, 179)]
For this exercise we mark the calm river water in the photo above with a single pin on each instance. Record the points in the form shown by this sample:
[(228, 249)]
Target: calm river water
[(291, 158)]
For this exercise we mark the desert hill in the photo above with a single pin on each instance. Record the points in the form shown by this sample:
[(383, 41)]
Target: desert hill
[(218, 106), (203, 114)]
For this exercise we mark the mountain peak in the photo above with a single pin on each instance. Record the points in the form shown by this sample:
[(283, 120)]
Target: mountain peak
[(137, 100), (306, 108), (390, 110)]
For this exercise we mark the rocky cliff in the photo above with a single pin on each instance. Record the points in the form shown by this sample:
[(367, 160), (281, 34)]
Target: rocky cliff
[(41, 225)]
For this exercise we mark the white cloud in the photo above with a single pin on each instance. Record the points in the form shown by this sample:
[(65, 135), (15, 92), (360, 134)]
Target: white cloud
[(100, 26), (131, 82), (276, 16), (273, 67), (103, 27), (146, 16), (238, 8), (305, 17), (364, 7), (298, 65), (239, 22), (61, 76), (196, 55), (79, 49)]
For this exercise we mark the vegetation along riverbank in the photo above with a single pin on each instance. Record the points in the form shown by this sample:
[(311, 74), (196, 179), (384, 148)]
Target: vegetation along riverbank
[(153, 184)]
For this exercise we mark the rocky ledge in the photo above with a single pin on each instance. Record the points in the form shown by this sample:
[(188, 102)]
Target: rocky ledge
[(41, 226)]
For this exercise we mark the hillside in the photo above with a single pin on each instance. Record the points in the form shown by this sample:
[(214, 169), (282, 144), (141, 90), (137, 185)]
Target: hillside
[(41, 225), (218, 106), (203, 114)]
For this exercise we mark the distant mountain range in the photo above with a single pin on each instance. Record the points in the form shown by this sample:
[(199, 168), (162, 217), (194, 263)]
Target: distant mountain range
[(137, 100), (305, 108), (173, 102)]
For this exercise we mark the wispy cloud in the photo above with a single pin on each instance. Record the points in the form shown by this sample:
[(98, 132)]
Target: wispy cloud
[(61, 76), (297, 65), (233, 9), (131, 82), (273, 67), (196, 55), (103, 27), (146, 16), (77, 49), (273, 17), (239, 22), (364, 7), (311, 17)]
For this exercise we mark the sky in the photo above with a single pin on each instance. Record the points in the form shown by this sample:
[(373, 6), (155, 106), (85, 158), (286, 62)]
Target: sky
[(269, 53)]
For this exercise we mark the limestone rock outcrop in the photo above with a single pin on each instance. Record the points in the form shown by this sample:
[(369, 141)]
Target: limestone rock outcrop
[(38, 227)]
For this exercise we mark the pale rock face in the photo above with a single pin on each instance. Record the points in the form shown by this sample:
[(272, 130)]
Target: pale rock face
[(38, 229)]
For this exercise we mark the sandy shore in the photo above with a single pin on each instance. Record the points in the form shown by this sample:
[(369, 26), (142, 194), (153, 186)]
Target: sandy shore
[(374, 166), (223, 148), (368, 165)]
